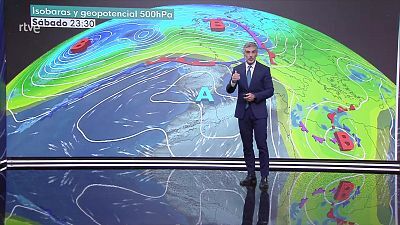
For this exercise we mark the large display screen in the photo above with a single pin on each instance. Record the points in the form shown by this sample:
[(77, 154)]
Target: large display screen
[(119, 79)]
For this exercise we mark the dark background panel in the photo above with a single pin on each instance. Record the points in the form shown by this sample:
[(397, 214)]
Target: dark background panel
[(2, 86)]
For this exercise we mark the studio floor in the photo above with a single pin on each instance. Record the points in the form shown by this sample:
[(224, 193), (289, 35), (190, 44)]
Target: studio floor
[(176, 196)]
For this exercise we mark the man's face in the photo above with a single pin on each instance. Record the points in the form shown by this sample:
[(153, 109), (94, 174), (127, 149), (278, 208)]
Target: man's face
[(250, 54)]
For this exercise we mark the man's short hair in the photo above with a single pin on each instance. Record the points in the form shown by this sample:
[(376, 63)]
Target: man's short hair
[(250, 44)]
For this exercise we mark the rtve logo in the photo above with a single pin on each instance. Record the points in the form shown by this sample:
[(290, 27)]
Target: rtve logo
[(28, 28)]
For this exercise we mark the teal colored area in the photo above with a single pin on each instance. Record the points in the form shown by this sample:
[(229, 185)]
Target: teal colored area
[(204, 94)]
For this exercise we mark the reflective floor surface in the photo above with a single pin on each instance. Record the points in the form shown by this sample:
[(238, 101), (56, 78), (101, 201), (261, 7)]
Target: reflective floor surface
[(160, 197)]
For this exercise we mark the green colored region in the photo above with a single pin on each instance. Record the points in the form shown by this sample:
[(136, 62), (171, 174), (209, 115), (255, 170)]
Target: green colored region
[(362, 208), (189, 41), (317, 71), (16, 220)]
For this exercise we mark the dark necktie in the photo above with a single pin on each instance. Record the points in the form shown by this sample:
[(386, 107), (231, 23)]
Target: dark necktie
[(248, 76)]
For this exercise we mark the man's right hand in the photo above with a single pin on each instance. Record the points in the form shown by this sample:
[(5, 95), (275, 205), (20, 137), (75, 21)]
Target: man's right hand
[(235, 77)]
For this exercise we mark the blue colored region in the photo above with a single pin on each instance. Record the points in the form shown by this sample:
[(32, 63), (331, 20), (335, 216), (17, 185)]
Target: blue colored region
[(326, 108), (144, 38), (315, 105), (299, 107), (80, 93), (338, 116), (357, 76), (296, 115), (327, 221), (105, 41), (295, 119), (374, 72), (323, 126), (294, 209), (336, 213), (28, 203), (386, 90), (346, 128), (97, 84), (147, 209), (269, 44)]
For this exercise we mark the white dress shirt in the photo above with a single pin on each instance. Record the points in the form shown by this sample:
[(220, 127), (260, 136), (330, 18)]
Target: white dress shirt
[(251, 71)]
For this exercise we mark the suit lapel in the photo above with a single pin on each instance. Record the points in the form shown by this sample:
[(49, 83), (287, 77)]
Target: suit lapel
[(243, 71), (245, 75)]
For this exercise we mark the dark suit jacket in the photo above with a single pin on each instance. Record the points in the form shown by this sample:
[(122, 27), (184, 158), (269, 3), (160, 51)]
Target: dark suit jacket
[(261, 86)]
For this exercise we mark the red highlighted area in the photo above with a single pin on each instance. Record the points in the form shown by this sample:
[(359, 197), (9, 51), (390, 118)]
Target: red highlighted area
[(342, 195), (271, 55), (342, 138), (344, 141), (81, 46), (341, 109), (181, 60), (344, 190), (338, 220), (331, 117), (217, 25)]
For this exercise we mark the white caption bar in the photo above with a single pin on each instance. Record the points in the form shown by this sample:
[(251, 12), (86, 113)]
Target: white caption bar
[(62, 22)]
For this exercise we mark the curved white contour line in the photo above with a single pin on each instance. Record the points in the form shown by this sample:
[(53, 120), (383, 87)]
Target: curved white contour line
[(359, 107), (71, 65), (338, 151), (272, 191), (391, 209), (165, 47), (192, 102), (86, 71), (271, 129), (338, 179), (290, 110), (123, 138), (295, 54), (305, 207), (214, 189), (25, 207), (306, 119), (121, 188), (389, 108), (134, 135), (381, 83), (101, 88), (67, 83), (290, 194)]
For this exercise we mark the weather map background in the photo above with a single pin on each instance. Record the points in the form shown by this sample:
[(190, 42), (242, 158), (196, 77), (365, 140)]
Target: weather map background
[(133, 91)]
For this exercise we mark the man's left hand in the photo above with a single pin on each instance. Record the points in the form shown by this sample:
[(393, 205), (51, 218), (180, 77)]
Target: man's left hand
[(249, 97)]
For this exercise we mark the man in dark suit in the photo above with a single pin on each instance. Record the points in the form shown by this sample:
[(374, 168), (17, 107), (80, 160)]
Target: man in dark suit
[(254, 83)]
